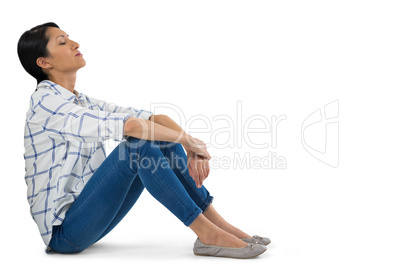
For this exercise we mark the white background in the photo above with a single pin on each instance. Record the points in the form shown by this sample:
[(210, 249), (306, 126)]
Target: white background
[(276, 57)]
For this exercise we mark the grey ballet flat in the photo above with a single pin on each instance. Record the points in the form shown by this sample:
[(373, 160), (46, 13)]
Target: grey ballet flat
[(249, 251), (255, 239)]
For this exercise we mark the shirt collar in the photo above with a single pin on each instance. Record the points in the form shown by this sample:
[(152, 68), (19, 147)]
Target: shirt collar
[(65, 93)]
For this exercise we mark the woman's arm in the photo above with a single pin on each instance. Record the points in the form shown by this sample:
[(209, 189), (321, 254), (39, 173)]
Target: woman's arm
[(151, 130), (154, 129), (166, 121)]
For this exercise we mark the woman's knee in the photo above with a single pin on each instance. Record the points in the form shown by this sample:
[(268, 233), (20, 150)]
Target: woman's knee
[(176, 149), (139, 148)]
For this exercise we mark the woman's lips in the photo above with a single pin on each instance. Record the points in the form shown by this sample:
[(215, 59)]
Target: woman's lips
[(78, 54)]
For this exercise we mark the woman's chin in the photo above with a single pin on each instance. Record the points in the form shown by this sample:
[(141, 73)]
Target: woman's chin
[(83, 64)]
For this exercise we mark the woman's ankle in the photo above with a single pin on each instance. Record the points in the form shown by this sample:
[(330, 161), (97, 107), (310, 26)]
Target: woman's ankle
[(212, 215), (211, 238)]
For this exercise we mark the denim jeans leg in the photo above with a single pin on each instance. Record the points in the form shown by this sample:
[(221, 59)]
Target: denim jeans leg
[(132, 196), (160, 180), (106, 197), (177, 158)]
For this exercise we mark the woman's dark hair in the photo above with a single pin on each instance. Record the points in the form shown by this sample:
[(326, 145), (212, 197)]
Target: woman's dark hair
[(31, 46)]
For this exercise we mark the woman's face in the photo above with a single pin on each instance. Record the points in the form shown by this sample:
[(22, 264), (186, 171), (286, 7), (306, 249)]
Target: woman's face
[(64, 55)]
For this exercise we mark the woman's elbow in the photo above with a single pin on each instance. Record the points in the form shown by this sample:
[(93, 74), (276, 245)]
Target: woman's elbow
[(131, 126)]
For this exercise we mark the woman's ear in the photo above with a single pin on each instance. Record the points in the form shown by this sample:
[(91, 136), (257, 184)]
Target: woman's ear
[(43, 63)]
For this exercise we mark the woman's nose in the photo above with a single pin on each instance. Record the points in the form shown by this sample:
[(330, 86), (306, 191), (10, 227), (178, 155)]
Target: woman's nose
[(75, 45)]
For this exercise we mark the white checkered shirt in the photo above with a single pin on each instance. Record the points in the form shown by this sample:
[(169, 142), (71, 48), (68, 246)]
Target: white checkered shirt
[(64, 145)]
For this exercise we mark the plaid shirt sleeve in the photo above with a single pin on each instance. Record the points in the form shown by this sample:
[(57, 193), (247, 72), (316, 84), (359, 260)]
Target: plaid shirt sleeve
[(66, 120)]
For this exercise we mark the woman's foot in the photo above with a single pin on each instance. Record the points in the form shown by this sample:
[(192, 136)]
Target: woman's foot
[(223, 239), (217, 219), (210, 234), (234, 231)]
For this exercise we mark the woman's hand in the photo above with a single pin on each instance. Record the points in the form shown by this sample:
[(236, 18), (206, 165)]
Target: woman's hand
[(198, 167), (197, 159), (197, 146)]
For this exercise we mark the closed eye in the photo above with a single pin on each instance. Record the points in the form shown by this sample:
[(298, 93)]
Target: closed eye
[(62, 37)]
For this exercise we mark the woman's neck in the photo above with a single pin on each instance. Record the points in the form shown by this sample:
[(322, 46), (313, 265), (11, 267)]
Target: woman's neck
[(65, 80)]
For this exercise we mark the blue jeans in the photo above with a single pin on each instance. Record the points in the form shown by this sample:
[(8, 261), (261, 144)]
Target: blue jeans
[(113, 189)]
